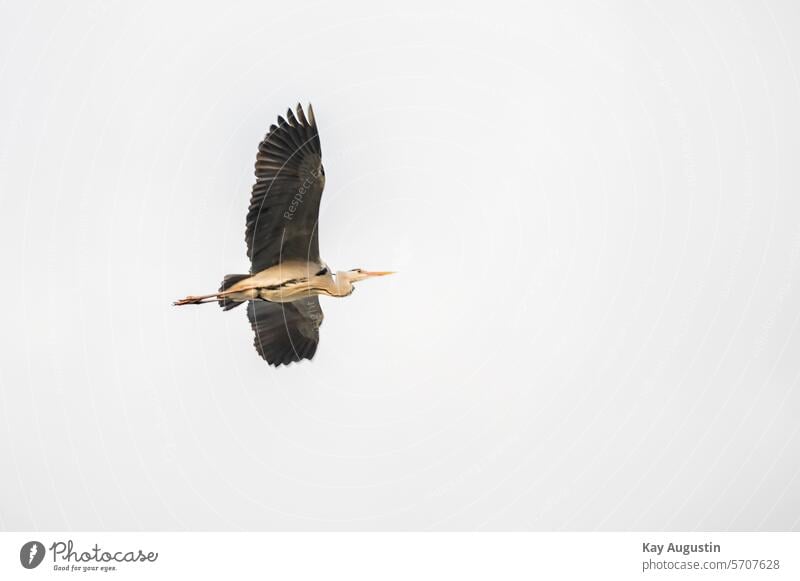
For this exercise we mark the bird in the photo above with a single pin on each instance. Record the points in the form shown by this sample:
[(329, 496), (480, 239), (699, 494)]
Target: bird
[(287, 275)]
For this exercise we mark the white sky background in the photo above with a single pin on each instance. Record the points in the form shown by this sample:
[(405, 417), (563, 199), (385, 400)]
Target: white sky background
[(593, 207)]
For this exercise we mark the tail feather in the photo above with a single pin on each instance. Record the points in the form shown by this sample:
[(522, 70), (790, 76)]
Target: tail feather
[(228, 282)]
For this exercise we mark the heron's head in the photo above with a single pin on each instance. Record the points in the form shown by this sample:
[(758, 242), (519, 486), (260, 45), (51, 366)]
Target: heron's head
[(346, 278), (358, 274)]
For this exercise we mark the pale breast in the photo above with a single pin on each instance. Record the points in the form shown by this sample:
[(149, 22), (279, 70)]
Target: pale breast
[(286, 293)]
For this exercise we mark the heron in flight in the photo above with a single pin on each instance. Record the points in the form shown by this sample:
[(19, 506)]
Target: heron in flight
[(286, 272)]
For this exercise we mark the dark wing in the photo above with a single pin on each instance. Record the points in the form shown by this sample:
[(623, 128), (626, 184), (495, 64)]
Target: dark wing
[(285, 332), (284, 205)]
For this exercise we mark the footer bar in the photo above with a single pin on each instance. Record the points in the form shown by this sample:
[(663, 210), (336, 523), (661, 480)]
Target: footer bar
[(394, 555)]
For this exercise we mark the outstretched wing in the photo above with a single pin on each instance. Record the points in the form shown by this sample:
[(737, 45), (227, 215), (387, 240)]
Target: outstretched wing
[(284, 205), (285, 332)]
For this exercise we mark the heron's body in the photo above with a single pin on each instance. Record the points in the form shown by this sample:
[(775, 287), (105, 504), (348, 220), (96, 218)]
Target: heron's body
[(288, 282), (286, 271)]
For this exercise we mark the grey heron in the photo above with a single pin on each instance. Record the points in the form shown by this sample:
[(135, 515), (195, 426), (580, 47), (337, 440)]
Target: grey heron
[(286, 272)]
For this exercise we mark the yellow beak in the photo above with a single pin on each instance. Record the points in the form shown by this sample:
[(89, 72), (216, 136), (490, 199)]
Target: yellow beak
[(379, 272)]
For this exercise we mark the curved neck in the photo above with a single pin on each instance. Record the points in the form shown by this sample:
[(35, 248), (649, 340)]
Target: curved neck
[(333, 286)]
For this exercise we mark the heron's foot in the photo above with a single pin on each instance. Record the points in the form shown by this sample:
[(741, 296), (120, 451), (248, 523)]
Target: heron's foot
[(190, 300)]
